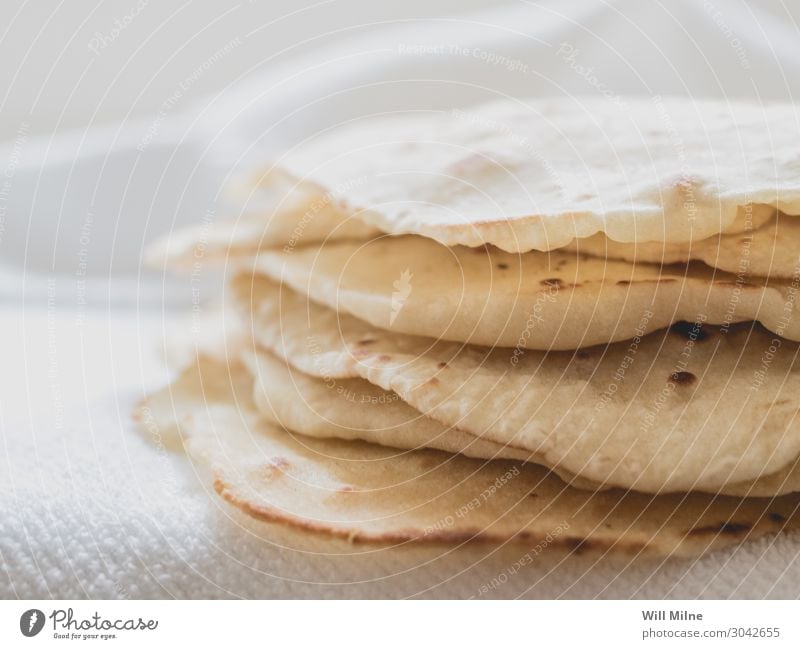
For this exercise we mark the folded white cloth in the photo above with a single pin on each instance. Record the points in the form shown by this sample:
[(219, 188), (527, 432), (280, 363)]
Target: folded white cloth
[(89, 508)]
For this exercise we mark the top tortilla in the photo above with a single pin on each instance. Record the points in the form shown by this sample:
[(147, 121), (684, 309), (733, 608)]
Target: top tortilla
[(536, 174)]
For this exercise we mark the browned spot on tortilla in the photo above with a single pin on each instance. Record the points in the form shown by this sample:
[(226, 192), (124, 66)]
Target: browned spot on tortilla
[(689, 330), (346, 489), (775, 517), (384, 358), (657, 280), (578, 544), (583, 354), (366, 341), (441, 365), (554, 281), (735, 283), (502, 265), (683, 378), (728, 527)]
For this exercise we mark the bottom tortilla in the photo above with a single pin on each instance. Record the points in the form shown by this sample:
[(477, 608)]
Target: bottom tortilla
[(365, 492)]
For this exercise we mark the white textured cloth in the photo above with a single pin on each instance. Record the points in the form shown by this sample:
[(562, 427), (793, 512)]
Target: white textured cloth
[(89, 508)]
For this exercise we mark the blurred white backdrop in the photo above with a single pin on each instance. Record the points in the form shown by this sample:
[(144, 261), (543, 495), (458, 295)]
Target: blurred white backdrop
[(125, 119)]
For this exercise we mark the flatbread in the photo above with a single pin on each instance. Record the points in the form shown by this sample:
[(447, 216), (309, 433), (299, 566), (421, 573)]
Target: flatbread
[(535, 174), (281, 215), (694, 408), (556, 300), (356, 409), (771, 250), (367, 493)]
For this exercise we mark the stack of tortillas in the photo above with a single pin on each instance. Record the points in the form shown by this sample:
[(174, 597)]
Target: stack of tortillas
[(557, 322)]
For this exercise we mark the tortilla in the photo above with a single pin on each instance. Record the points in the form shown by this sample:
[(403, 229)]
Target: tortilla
[(771, 250), (366, 493), (357, 409), (693, 408), (556, 300), (282, 216), (535, 174)]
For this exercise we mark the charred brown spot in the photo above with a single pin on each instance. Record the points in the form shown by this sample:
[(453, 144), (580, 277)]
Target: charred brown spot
[(728, 528), (502, 266), (689, 330), (683, 378), (553, 281), (366, 341), (577, 544), (775, 517), (441, 365), (583, 354)]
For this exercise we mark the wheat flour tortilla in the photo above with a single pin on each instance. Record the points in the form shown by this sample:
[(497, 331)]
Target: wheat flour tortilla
[(282, 216), (366, 493), (692, 408), (535, 174), (357, 409), (556, 300), (770, 250)]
